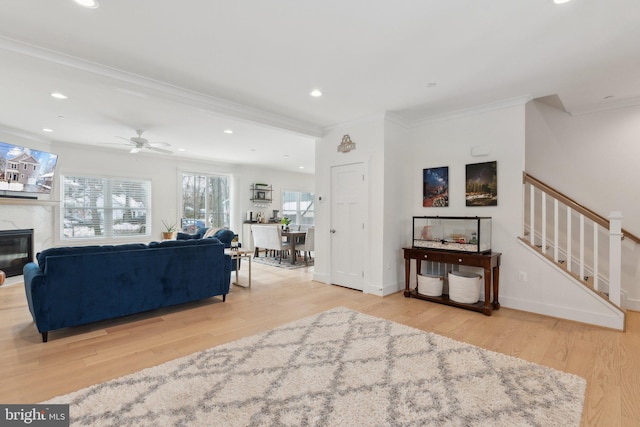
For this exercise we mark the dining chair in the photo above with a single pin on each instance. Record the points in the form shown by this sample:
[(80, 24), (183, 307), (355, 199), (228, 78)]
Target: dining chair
[(309, 243), (269, 237)]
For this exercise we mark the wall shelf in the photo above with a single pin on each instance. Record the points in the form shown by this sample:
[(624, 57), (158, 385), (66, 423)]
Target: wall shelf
[(261, 193)]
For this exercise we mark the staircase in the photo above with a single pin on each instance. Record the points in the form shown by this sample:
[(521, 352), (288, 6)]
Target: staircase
[(583, 244)]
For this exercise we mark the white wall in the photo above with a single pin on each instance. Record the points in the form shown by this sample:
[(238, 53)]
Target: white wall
[(397, 175), (593, 159), (368, 134), (449, 143), (163, 171), (395, 156), (502, 132)]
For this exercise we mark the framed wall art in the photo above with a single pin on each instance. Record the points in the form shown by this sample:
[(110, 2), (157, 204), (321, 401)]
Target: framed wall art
[(482, 184), (435, 187)]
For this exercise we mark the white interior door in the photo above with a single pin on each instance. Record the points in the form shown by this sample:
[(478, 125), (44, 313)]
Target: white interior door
[(348, 195)]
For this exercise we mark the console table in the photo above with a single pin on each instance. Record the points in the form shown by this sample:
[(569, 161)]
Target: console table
[(490, 262)]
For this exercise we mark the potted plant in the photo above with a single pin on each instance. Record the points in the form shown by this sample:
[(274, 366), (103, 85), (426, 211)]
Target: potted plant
[(285, 223), (169, 232)]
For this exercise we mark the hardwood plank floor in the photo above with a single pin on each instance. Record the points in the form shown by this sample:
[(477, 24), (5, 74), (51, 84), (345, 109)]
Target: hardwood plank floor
[(31, 371)]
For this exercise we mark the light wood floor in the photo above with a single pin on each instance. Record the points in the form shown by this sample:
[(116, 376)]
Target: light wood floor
[(31, 371)]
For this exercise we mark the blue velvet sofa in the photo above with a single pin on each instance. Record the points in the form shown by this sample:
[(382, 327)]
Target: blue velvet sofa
[(71, 286), (224, 235)]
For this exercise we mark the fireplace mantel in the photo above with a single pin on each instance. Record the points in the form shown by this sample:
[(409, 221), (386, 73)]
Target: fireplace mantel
[(34, 202)]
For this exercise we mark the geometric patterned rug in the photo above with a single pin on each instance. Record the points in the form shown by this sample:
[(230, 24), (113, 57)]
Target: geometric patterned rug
[(336, 368)]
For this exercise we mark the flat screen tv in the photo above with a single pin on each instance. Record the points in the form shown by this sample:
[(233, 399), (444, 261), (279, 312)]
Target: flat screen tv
[(24, 170)]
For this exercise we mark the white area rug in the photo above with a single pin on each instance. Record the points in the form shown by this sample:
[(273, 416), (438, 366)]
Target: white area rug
[(337, 368)]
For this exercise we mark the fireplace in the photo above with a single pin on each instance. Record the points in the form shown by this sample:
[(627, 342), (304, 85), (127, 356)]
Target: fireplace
[(16, 249)]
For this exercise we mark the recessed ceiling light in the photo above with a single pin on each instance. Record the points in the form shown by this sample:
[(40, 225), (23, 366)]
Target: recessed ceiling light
[(47, 130), (300, 167), (561, 1), (182, 149), (89, 4), (58, 95), (315, 93), (228, 131)]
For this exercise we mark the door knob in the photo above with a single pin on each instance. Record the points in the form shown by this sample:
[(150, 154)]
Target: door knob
[(333, 230)]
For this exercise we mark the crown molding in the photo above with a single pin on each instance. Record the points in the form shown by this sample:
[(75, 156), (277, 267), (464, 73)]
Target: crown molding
[(499, 105), (608, 106), (397, 119), (188, 97), (364, 119), (24, 135)]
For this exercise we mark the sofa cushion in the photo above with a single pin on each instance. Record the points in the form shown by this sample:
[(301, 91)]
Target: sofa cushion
[(197, 235), (41, 257), (189, 242), (186, 236), (225, 236)]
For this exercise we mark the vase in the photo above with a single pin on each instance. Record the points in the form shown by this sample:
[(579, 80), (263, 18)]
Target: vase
[(168, 235)]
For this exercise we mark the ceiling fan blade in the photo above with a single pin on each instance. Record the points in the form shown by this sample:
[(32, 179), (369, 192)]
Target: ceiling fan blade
[(160, 150), (159, 144), (126, 139), (113, 143)]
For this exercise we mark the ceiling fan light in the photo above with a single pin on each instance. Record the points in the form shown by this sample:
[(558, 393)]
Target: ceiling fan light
[(89, 4), (134, 150)]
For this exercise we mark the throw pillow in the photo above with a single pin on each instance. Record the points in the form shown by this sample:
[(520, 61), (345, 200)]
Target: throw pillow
[(211, 232)]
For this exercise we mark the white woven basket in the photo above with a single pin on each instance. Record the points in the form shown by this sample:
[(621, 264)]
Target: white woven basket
[(464, 287), (430, 285)]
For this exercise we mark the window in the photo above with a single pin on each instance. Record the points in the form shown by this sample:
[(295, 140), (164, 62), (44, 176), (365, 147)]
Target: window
[(105, 207), (298, 206), (205, 201)]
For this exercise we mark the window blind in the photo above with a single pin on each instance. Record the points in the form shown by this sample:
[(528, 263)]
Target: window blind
[(98, 207)]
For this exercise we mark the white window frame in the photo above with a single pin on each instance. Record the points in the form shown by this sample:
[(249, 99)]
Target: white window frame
[(298, 215), (227, 211), (107, 218)]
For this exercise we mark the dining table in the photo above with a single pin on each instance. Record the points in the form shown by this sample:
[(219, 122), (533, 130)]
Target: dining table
[(292, 237)]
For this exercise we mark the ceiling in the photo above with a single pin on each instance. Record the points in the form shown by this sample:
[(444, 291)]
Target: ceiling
[(186, 71)]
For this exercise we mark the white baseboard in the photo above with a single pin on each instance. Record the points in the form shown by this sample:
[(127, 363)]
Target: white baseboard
[(613, 320)]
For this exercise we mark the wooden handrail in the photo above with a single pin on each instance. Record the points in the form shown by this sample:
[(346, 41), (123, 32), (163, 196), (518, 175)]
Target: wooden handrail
[(598, 219)]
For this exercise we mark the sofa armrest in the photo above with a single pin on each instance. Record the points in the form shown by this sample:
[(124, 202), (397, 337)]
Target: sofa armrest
[(36, 291)]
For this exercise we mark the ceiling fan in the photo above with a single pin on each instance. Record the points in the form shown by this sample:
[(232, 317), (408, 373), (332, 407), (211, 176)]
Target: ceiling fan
[(139, 143)]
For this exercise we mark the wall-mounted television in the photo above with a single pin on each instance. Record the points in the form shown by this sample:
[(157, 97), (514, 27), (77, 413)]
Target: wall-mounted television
[(24, 170)]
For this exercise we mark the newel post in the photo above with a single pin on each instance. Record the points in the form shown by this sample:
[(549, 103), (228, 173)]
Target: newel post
[(615, 256)]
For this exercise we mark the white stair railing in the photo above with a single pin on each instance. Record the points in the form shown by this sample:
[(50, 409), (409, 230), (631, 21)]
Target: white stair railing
[(615, 257), (565, 240)]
